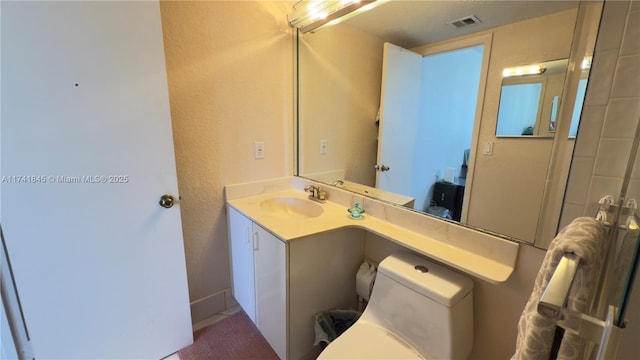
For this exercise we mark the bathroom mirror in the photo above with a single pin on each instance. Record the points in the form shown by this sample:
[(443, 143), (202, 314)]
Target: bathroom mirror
[(502, 181), (529, 103), (529, 99)]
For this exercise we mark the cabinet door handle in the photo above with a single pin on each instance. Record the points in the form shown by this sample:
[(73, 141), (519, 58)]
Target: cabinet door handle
[(254, 237)]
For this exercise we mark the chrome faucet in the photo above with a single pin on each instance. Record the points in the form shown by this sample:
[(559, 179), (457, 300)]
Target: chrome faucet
[(338, 182), (316, 193)]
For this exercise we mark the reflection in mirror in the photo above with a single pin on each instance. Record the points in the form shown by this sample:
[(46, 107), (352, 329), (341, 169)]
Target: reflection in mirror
[(422, 97), (519, 110), (529, 102), (529, 99), (498, 184), (582, 91), (553, 117)]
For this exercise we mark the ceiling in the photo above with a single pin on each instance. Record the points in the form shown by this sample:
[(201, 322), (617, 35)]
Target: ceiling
[(409, 23)]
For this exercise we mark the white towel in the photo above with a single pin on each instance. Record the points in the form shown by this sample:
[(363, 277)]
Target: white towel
[(585, 237)]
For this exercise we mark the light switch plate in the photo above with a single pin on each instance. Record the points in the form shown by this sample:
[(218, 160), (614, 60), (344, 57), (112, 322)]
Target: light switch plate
[(324, 147), (488, 148), (258, 150)]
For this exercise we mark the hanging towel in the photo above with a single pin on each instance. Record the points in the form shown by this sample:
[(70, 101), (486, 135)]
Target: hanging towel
[(583, 237)]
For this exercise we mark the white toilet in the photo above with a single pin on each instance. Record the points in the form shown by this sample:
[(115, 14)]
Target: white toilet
[(418, 310)]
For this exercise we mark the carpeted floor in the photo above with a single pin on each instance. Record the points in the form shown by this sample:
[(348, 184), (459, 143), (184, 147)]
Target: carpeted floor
[(234, 338)]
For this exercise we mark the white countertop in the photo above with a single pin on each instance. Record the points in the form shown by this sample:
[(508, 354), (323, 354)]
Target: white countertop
[(482, 255)]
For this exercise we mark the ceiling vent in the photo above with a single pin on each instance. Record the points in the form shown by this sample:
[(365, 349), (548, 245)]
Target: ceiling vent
[(465, 21)]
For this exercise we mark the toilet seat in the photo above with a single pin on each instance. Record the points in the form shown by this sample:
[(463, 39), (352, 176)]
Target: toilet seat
[(364, 340)]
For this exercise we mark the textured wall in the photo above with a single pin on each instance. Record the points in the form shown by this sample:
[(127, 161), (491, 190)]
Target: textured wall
[(230, 76)]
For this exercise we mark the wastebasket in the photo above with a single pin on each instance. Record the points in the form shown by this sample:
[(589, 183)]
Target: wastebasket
[(330, 324)]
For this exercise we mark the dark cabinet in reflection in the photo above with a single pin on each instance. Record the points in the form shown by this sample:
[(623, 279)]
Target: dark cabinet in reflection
[(450, 196)]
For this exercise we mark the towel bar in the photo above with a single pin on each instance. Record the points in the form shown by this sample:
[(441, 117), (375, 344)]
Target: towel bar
[(552, 305), (554, 296)]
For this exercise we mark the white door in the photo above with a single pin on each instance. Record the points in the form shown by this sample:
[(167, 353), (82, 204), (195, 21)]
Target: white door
[(399, 107), (87, 151)]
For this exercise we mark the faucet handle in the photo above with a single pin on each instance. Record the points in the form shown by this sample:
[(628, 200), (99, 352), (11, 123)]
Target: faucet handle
[(317, 193), (312, 189), (322, 195)]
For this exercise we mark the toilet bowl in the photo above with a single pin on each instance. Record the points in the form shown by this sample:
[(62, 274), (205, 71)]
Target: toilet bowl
[(418, 310)]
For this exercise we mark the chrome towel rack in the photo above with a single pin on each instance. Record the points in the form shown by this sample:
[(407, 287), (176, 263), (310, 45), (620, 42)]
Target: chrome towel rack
[(605, 333), (552, 305)]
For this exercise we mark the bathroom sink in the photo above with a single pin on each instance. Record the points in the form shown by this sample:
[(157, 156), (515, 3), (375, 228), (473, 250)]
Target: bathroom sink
[(291, 207)]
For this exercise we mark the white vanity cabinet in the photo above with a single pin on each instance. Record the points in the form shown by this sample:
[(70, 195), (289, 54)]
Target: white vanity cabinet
[(259, 278), (283, 285)]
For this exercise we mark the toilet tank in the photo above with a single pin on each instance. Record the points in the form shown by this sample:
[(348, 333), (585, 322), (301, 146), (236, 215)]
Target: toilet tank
[(424, 304)]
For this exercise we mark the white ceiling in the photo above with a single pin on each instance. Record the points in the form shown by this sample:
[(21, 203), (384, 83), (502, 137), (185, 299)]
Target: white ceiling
[(410, 23)]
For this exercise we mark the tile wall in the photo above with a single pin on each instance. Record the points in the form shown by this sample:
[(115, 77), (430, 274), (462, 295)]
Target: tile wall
[(610, 114)]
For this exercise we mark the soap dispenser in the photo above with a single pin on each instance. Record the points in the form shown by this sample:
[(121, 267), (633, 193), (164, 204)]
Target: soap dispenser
[(356, 211)]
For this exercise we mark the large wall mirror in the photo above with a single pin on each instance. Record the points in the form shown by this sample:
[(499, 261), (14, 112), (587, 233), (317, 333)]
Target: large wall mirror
[(406, 103)]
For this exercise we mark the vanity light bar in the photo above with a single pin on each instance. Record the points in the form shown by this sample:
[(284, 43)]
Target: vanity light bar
[(311, 15), (523, 70)]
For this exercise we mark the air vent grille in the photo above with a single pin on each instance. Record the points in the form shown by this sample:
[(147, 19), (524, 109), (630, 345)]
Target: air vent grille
[(465, 21)]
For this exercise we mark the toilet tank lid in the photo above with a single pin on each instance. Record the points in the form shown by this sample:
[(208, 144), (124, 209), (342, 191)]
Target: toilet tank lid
[(438, 283)]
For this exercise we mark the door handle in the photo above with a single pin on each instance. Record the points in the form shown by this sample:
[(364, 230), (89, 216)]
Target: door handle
[(254, 238), (167, 201)]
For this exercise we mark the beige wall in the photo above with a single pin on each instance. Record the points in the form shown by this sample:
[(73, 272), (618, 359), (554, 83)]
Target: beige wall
[(339, 101), (230, 79)]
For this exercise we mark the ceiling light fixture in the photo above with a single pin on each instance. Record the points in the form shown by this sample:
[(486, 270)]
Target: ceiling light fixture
[(523, 70), (311, 15)]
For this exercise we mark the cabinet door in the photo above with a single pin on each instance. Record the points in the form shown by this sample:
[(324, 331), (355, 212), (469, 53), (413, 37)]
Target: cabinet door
[(271, 302), (242, 274)]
